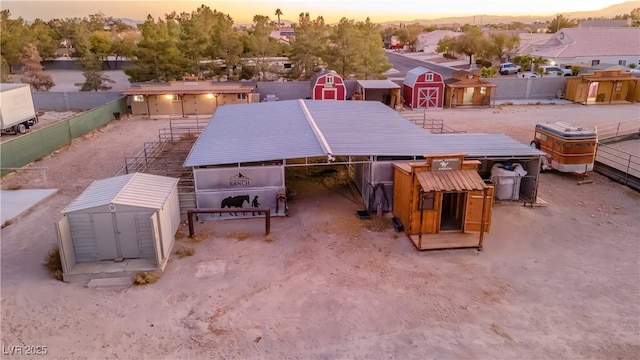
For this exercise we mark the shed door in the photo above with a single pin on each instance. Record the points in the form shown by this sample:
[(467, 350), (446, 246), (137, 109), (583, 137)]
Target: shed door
[(473, 214), (428, 98), (105, 233), (127, 235), (329, 94), (116, 236)]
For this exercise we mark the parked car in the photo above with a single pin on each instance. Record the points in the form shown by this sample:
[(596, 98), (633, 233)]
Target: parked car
[(527, 74), (508, 68), (552, 70)]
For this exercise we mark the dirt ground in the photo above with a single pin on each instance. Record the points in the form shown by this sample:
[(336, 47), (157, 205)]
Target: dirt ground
[(555, 282)]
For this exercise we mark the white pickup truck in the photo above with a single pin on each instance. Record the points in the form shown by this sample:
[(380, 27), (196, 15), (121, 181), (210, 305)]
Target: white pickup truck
[(17, 113), (552, 70)]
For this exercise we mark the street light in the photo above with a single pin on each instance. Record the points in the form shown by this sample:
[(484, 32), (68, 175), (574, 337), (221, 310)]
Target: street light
[(216, 96)]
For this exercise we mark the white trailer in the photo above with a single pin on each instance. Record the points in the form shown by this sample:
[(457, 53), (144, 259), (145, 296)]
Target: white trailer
[(17, 112)]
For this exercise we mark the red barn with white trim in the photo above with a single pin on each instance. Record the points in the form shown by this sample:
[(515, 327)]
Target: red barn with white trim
[(328, 85), (423, 89)]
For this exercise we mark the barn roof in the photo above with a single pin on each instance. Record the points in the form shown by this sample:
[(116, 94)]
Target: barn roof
[(272, 131), (136, 189), (190, 87), (414, 74)]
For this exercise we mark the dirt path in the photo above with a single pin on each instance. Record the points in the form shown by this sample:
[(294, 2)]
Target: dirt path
[(553, 282)]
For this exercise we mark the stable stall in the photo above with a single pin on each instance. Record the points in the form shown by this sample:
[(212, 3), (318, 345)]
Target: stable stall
[(130, 219), (442, 202)]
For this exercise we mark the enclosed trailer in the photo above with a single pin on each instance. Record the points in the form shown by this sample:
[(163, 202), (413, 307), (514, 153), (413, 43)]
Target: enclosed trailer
[(568, 147), (129, 219), (443, 202)]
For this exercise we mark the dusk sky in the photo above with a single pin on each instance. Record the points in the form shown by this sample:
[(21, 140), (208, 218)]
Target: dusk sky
[(242, 11)]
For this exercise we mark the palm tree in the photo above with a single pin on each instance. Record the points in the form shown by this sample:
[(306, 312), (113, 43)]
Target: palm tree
[(278, 13), (537, 61)]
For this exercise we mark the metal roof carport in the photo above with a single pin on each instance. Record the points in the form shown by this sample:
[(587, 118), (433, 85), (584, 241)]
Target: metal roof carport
[(338, 132)]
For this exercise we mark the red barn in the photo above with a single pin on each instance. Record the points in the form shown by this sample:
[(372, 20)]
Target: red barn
[(423, 89), (328, 85)]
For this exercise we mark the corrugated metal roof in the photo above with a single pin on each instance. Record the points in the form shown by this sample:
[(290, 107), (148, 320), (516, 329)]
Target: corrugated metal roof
[(378, 84), (280, 130), (137, 189), (453, 180), (255, 132)]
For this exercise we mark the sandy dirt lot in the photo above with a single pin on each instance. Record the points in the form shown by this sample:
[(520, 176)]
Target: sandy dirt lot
[(556, 282)]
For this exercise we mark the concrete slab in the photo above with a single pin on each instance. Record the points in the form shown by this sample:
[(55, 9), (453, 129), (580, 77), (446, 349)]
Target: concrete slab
[(110, 283), (13, 203)]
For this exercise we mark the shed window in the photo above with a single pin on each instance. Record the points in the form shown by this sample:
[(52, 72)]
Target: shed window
[(428, 201), (428, 77), (138, 98), (618, 86), (242, 96), (329, 79), (542, 137), (483, 90)]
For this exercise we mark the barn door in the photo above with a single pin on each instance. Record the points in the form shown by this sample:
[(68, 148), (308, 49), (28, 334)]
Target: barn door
[(473, 218), (428, 98), (329, 94)]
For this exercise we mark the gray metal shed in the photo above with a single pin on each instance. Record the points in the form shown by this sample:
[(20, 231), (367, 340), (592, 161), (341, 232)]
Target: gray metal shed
[(129, 217)]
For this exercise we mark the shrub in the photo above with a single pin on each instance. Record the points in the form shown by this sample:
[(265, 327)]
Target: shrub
[(184, 251), (53, 263), (632, 65), (486, 63), (145, 278)]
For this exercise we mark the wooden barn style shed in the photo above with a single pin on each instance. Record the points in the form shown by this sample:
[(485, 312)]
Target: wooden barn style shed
[(423, 89), (187, 97), (603, 87), (442, 201), (468, 89), (118, 225), (328, 85)]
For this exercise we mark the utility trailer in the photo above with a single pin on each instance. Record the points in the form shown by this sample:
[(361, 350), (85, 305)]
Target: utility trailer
[(17, 113)]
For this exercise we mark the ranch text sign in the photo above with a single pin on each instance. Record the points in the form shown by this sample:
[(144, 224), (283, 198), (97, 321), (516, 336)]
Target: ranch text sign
[(445, 164), (239, 180)]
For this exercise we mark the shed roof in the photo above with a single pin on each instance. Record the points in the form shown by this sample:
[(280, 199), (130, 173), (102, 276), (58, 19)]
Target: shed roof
[(453, 180), (378, 84), (271, 131), (412, 75), (190, 87), (8, 86), (136, 189)]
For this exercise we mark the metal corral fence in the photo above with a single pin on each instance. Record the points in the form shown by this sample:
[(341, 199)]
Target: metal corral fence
[(611, 161), (27, 148), (434, 126), (166, 156)]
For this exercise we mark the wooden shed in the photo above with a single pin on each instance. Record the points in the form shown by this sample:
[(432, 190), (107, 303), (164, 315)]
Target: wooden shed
[(603, 87), (423, 89), (328, 85), (468, 89), (442, 203), (130, 220)]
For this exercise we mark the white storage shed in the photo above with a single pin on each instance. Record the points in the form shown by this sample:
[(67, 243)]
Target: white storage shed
[(133, 217)]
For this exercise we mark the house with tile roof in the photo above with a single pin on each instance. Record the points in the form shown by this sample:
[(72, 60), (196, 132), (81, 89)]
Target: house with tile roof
[(589, 46)]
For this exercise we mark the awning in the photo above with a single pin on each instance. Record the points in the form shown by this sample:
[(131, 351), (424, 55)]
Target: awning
[(451, 180)]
